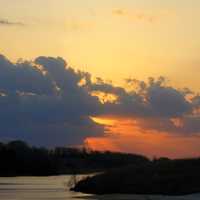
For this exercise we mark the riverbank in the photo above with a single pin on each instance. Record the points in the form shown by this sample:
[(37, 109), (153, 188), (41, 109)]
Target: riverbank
[(143, 197), (160, 177)]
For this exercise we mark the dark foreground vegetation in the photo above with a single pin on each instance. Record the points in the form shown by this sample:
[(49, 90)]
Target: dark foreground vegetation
[(19, 159), (161, 176)]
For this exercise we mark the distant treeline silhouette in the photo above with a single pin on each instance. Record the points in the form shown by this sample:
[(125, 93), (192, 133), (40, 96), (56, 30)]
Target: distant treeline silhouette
[(19, 159)]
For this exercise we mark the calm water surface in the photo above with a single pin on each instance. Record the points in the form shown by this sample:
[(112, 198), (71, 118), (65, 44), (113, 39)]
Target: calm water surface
[(56, 188), (37, 188)]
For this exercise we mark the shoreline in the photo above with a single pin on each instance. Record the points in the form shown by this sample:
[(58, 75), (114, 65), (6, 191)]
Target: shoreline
[(143, 197)]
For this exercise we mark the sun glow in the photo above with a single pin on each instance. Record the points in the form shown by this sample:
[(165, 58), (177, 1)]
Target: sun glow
[(104, 121), (105, 97), (126, 135)]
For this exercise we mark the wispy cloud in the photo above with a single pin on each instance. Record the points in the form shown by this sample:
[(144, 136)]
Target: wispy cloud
[(143, 16), (10, 23), (79, 25), (119, 12), (82, 23)]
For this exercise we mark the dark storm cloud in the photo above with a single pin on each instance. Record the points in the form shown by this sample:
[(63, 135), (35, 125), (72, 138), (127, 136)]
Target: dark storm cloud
[(44, 103), (167, 101), (150, 100), (155, 105), (23, 77)]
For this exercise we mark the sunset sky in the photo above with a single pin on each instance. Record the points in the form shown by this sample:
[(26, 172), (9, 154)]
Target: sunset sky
[(123, 43)]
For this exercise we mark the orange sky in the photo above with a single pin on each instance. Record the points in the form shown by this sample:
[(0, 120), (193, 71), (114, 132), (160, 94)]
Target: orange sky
[(114, 40), (124, 135)]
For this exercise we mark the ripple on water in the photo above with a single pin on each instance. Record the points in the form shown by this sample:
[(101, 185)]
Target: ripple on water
[(55, 188)]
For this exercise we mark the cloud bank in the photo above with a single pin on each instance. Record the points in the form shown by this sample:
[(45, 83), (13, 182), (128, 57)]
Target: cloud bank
[(46, 102), (42, 103)]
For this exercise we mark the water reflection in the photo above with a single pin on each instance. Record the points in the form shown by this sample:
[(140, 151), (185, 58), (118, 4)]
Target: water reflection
[(36, 188), (56, 188)]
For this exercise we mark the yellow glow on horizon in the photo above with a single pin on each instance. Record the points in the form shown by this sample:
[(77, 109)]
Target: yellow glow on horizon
[(112, 40), (124, 135), (104, 121)]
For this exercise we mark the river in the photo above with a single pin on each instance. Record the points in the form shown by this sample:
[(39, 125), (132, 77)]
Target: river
[(56, 188)]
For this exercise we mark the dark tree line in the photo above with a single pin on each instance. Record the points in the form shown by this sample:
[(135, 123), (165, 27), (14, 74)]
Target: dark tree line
[(18, 158)]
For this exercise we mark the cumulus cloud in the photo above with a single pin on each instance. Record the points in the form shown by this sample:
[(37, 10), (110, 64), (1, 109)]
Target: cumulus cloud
[(23, 77), (46, 102), (41, 102), (155, 105)]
